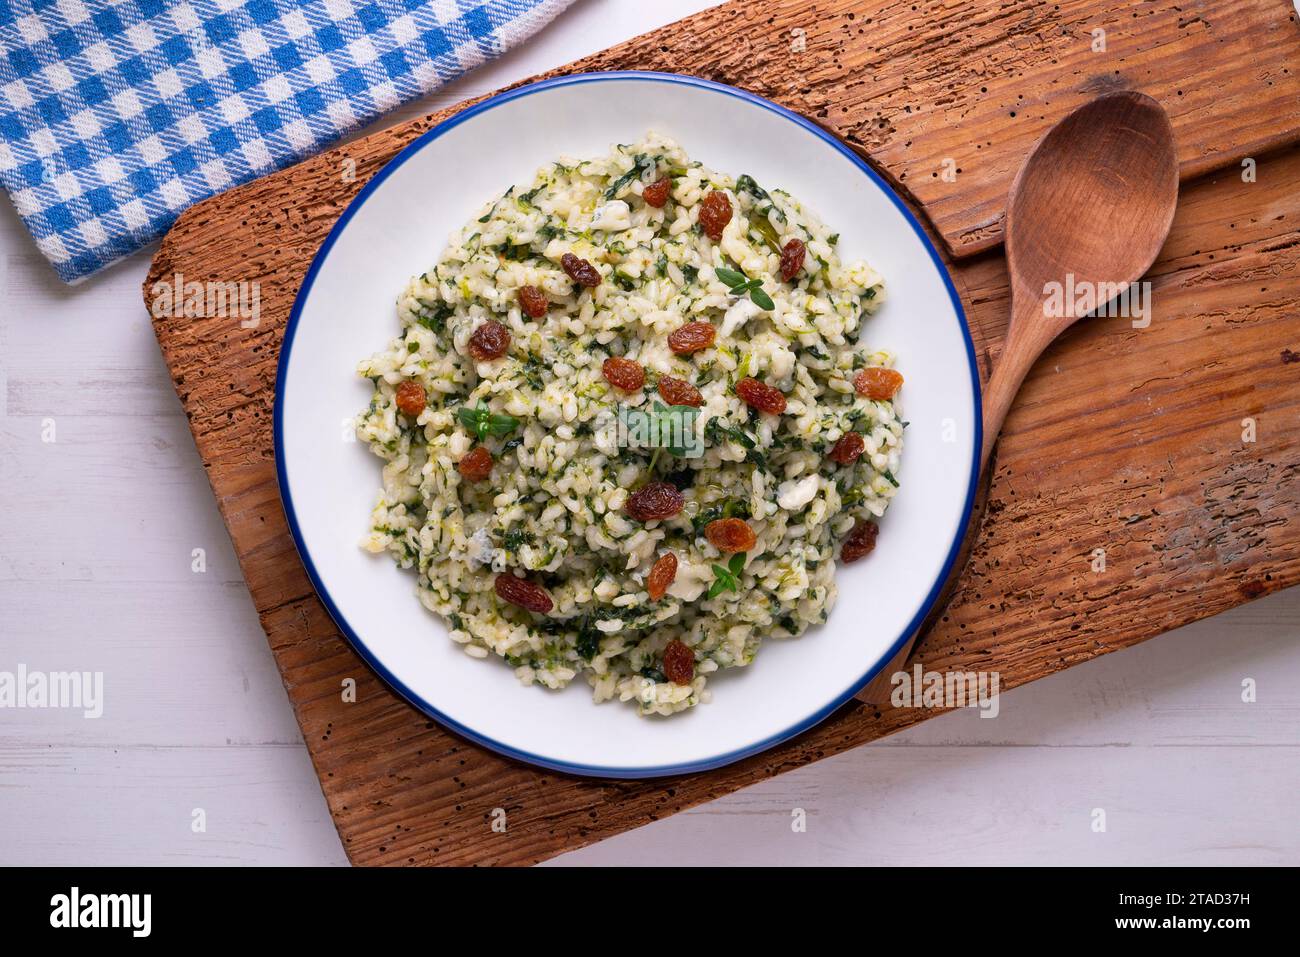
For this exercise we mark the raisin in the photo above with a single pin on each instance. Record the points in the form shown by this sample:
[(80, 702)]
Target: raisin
[(656, 500), (761, 396), (792, 259), (656, 194), (623, 374), (679, 663), (848, 448), (715, 213), (662, 573), (533, 301), (860, 542), (522, 592), (877, 383), (410, 398), (691, 337), (580, 271), (489, 341), (730, 535), (679, 392), (476, 465)]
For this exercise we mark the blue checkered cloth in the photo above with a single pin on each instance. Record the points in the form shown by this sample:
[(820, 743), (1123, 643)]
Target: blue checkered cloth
[(115, 115)]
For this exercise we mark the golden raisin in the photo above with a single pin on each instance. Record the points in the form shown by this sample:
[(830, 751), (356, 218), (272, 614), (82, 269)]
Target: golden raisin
[(792, 258), (730, 535), (860, 541), (679, 392), (410, 398), (761, 396), (521, 592), (679, 663), (654, 501), (489, 341), (715, 213), (877, 383), (476, 465), (656, 194), (662, 573), (848, 448), (533, 301), (623, 374), (580, 271), (691, 337)]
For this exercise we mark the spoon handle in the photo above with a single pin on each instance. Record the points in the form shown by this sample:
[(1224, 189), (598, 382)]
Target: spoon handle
[(1028, 335)]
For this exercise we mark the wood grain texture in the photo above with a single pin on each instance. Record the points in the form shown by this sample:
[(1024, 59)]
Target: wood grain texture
[(917, 86), (913, 86), (1124, 439)]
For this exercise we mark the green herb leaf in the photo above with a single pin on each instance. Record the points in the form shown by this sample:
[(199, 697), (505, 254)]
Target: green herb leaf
[(737, 563), (469, 417), (588, 643), (501, 424), (746, 184), (482, 422), (640, 164), (725, 579), (730, 277), (740, 285)]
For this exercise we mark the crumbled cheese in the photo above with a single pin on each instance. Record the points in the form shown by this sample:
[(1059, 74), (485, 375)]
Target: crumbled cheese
[(480, 550), (691, 581), (796, 493), (612, 217), (741, 311), (781, 363)]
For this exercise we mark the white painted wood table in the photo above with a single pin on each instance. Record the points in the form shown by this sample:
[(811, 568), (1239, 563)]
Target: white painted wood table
[(98, 532)]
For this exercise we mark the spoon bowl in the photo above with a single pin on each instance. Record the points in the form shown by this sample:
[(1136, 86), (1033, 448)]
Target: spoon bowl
[(1090, 209)]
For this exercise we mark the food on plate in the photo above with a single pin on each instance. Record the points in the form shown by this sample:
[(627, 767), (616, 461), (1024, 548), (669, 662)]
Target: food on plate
[(639, 288)]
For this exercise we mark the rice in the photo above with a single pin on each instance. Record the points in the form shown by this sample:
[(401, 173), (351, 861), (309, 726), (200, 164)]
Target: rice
[(553, 509)]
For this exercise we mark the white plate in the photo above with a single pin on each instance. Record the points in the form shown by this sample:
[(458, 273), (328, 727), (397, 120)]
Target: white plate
[(397, 227)]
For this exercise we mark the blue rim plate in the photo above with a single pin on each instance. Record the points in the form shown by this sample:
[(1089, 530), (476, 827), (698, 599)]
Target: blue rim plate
[(358, 641)]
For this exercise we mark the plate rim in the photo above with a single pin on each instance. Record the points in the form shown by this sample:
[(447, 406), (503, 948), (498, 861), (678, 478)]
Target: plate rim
[(359, 645)]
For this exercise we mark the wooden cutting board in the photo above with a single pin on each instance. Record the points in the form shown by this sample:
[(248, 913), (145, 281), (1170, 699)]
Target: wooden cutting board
[(1126, 500)]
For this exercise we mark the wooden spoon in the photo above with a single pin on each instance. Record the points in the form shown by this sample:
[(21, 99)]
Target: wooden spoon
[(1092, 205)]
